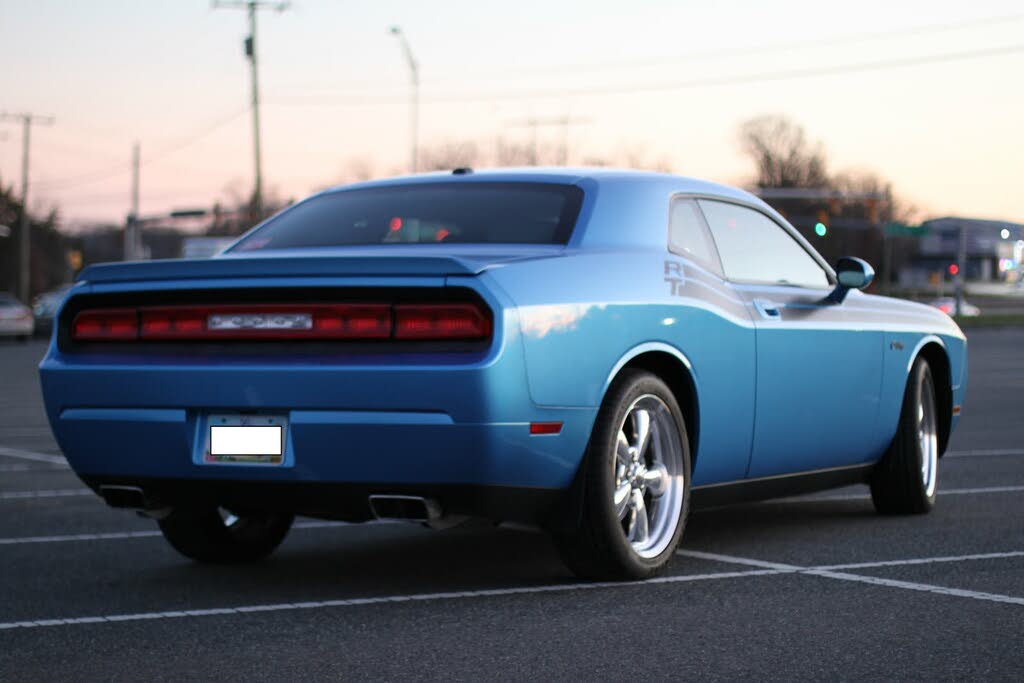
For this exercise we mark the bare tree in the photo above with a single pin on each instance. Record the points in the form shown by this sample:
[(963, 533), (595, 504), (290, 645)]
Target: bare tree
[(783, 155), (867, 182), (449, 155)]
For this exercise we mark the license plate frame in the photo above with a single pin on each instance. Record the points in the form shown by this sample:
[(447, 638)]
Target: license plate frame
[(262, 443)]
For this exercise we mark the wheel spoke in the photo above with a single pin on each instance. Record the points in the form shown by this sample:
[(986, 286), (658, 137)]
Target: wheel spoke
[(622, 498), (638, 529), (656, 478), (622, 449), (641, 429)]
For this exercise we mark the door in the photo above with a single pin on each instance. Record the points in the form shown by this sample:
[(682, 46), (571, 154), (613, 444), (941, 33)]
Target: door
[(819, 365)]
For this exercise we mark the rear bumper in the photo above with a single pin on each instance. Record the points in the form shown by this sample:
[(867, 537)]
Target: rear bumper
[(398, 448)]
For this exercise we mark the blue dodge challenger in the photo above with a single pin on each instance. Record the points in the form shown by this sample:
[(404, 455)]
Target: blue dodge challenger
[(594, 352)]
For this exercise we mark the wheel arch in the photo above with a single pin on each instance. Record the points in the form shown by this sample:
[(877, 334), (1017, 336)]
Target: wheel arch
[(933, 350), (671, 366)]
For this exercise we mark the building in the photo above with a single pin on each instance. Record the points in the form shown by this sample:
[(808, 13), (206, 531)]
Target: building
[(993, 251)]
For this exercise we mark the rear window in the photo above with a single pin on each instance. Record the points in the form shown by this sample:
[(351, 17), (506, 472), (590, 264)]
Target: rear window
[(447, 213)]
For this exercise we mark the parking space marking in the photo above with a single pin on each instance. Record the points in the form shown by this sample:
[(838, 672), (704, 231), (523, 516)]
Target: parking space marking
[(925, 560), (358, 602), (828, 573), (29, 468), (52, 493), (120, 535), (984, 452), (32, 455), (864, 496)]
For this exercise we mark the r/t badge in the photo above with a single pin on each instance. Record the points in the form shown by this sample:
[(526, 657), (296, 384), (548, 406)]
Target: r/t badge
[(674, 277)]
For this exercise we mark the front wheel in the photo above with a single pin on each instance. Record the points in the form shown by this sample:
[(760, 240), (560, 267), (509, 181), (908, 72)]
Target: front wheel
[(904, 481), (215, 535), (636, 484)]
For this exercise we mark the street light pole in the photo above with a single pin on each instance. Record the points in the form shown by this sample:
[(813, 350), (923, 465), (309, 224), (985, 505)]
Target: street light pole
[(414, 71)]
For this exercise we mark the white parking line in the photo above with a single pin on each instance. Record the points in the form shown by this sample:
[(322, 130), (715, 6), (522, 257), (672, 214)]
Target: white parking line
[(120, 535), (357, 602), (52, 493), (983, 452), (30, 468), (826, 572), (864, 496), (32, 455), (925, 560)]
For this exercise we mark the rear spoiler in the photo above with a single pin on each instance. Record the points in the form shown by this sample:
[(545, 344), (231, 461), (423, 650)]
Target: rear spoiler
[(292, 266)]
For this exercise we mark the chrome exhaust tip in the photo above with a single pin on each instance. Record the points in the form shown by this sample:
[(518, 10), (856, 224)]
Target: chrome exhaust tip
[(405, 508), (132, 498)]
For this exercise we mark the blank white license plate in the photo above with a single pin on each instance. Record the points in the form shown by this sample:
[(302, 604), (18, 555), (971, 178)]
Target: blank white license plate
[(249, 439)]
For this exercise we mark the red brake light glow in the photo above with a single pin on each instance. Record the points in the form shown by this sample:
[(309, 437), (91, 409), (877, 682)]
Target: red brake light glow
[(106, 324), (440, 321), (357, 321)]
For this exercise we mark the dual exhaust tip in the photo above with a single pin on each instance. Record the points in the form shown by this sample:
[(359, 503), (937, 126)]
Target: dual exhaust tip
[(383, 507)]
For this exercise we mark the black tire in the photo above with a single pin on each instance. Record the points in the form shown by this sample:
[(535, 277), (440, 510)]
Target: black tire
[(22, 338), (205, 536), (900, 483), (597, 546)]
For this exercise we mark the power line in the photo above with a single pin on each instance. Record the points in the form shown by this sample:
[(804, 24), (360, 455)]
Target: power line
[(621, 89), (121, 169), (770, 48)]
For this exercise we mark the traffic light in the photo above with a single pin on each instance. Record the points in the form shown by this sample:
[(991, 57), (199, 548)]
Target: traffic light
[(954, 269), (821, 227)]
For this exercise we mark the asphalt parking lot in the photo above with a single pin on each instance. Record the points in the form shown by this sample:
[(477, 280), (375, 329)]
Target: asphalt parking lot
[(811, 588)]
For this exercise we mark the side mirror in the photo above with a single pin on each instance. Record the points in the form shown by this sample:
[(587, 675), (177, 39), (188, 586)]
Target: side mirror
[(852, 273)]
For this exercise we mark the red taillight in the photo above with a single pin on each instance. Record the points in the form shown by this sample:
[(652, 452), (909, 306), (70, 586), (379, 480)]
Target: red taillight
[(110, 324), (267, 321), (440, 321), (362, 321)]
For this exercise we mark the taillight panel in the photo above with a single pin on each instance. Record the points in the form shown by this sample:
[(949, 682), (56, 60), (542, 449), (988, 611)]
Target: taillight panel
[(371, 321)]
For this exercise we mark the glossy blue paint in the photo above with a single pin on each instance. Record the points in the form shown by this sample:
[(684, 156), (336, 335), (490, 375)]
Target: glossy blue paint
[(813, 385)]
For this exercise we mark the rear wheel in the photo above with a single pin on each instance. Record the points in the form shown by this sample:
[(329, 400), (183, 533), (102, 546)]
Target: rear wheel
[(217, 535), (636, 484), (905, 479)]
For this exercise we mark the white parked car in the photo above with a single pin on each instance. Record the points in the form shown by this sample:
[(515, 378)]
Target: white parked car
[(15, 318), (948, 306)]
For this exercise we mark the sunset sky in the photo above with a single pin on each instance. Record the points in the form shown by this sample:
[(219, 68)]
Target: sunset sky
[(662, 81)]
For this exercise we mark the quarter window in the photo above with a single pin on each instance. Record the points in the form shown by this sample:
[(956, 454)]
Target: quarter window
[(689, 237), (754, 248)]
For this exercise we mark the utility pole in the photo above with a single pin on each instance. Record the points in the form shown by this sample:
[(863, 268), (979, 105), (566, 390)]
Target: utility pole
[(563, 122), (961, 270), (252, 7), (414, 73), (25, 240), (132, 239)]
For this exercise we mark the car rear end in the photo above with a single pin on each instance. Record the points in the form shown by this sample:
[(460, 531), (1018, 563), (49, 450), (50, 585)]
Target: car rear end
[(311, 379)]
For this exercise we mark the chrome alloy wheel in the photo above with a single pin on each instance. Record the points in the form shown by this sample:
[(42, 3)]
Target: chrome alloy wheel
[(649, 486), (927, 433)]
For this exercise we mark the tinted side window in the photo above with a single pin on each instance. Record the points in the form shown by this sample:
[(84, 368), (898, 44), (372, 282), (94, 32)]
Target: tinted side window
[(754, 248), (688, 235)]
